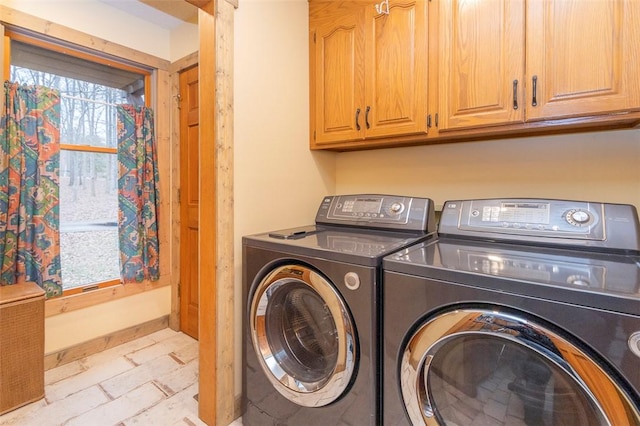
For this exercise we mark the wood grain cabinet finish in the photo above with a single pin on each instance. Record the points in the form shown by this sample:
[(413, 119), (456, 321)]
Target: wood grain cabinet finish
[(470, 70), (368, 70), (481, 63), (585, 55), (574, 59)]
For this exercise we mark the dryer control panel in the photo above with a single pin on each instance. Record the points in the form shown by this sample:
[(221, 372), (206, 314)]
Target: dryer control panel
[(376, 211), (556, 222)]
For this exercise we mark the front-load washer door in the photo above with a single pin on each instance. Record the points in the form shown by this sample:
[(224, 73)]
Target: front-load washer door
[(478, 366), (303, 335)]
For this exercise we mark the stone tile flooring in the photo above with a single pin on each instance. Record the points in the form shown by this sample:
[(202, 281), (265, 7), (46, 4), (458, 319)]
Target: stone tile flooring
[(148, 381)]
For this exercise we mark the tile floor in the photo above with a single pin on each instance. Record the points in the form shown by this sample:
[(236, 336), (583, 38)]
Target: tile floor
[(148, 381)]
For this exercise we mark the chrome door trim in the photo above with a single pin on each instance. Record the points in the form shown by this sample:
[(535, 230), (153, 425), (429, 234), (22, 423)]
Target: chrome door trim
[(308, 394), (419, 351)]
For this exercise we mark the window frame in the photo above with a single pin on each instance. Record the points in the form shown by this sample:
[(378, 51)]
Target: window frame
[(157, 85), (60, 47)]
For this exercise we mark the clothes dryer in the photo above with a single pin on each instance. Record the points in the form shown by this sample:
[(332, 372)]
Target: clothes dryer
[(523, 312), (311, 332)]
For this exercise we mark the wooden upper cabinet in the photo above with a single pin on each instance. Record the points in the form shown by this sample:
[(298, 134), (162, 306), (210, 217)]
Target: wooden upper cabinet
[(368, 70), (337, 71), (481, 63), (470, 69), (396, 69), (584, 56)]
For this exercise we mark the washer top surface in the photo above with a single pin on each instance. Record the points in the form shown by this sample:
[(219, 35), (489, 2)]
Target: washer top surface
[(359, 229), (572, 252), (355, 246)]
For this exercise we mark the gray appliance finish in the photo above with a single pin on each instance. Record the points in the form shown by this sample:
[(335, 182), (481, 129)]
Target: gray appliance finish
[(311, 323), (522, 312)]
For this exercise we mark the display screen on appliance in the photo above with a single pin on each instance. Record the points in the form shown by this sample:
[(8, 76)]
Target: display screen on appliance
[(525, 212), (366, 205)]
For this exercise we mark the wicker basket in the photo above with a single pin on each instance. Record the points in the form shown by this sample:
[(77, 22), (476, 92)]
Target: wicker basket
[(21, 345)]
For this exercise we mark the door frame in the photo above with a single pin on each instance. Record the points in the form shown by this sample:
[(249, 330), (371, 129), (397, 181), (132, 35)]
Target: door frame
[(217, 403)]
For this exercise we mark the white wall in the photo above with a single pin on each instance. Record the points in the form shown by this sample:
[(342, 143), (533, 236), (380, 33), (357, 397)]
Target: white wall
[(279, 183), (598, 166), (63, 331), (99, 19), (185, 40), (106, 22)]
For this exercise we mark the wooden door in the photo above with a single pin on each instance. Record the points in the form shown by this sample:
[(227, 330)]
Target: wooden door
[(481, 63), (396, 69), (189, 201), (583, 56), (337, 71)]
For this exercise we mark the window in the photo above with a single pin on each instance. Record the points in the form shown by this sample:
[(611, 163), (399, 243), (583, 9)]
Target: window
[(90, 88)]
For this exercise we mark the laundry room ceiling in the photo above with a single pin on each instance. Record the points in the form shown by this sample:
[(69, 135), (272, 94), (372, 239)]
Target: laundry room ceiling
[(164, 13)]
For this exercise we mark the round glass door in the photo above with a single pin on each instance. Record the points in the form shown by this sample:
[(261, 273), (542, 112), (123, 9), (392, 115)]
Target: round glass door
[(474, 366), (303, 335)]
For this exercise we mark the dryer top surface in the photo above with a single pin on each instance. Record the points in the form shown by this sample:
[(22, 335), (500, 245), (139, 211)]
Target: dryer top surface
[(598, 280)]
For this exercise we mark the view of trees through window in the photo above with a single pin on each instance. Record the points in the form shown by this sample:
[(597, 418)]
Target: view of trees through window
[(88, 176)]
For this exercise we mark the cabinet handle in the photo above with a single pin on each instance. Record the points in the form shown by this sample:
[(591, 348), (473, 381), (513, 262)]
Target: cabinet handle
[(515, 94), (534, 100), (357, 118), (366, 117)]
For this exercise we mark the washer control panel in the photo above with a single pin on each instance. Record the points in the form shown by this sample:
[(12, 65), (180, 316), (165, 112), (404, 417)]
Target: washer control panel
[(378, 211), (578, 223)]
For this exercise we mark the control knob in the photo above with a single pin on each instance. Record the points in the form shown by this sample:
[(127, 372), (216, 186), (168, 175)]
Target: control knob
[(396, 208), (578, 217)]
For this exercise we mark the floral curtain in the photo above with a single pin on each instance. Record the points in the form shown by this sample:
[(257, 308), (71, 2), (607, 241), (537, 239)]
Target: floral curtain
[(29, 187), (137, 194)]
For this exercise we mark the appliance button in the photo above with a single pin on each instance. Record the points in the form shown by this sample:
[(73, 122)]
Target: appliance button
[(634, 343), (352, 280), (396, 208), (578, 280)]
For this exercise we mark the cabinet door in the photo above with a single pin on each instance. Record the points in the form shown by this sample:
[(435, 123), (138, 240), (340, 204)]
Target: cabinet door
[(337, 74), (584, 57), (481, 63), (396, 69)]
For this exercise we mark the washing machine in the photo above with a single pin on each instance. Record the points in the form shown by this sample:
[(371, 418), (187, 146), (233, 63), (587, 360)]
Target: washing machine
[(311, 323), (522, 312)]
